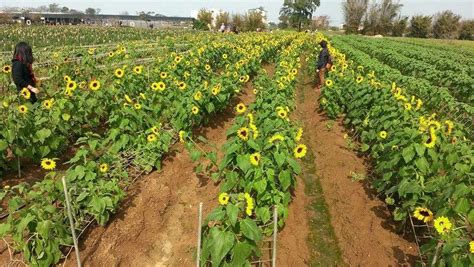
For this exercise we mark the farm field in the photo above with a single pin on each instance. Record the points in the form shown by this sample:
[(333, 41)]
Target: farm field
[(376, 169)]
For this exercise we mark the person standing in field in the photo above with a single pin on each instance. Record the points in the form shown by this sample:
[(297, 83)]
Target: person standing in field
[(222, 29), (22, 70), (324, 63)]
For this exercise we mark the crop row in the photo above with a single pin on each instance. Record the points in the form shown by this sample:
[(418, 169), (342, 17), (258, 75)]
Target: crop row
[(422, 165), (143, 112)]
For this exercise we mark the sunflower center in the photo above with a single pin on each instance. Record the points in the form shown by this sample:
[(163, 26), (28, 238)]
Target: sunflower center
[(299, 150), (424, 213)]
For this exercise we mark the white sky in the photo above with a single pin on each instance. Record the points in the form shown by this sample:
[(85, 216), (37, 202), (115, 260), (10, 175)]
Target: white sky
[(465, 8)]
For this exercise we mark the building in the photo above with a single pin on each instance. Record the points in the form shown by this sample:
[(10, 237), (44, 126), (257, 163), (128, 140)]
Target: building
[(107, 20)]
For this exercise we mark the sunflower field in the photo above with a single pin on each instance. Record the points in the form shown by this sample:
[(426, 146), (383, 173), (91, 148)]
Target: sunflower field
[(111, 95)]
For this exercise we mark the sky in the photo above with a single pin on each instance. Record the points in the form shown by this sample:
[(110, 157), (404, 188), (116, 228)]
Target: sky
[(184, 8)]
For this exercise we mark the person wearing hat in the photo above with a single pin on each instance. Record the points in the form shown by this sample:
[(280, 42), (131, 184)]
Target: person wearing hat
[(324, 63)]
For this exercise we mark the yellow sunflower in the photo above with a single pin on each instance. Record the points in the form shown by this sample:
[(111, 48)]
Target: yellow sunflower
[(423, 214), (67, 78), (163, 75), (197, 96), (276, 137), (383, 134), (215, 90), (240, 108), (207, 67), (155, 130), (137, 106), (359, 79), (195, 110), (449, 127), (94, 85), (329, 83), (407, 106), (151, 138), (104, 167), (242, 79), (442, 225), (471, 247), (25, 93), (7, 69), (224, 56), (71, 85), (299, 134), (48, 164), (223, 198), (255, 158), (119, 73), (154, 86), (138, 69), (161, 86), (22, 109), (300, 151), (431, 142), (182, 135), (181, 85), (243, 133), (48, 104), (282, 113)]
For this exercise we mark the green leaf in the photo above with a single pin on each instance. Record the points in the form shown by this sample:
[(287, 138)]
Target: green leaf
[(420, 149), (220, 244), (279, 158), (250, 229), (294, 165), (232, 212), (470, 216), (243, 162), (43, 228), (285, 179), (216, 215), (43, 134), (242, 251), (195, 155), (408, 154), (260, 186), (422, 165), (364, 148), (4, 228), (66, 116), (3, 145), (462, 206), (263, 213)]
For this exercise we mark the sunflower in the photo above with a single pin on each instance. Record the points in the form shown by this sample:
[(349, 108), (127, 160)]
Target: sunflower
[(471, 247), (182, 136), (250, 204), (359, 79), (419, 103), (240, 108), (151, 138), (142, 95), (7, 69), (282, 113), (242, 79), (195, 110), (299, 134), (67, 78), (243, 133), (207, 67), (177, 59), (22, 109), (300, 151), (215, 90), (94, 85), (333, 68), (111, 54), (383, 134), (255, 91), (224, 56), (198, 96), (407, 106), (91, 51), (137, 106), (163, 75), (48, 164), (255, 158), (181, 85), (25, 93), (138, 69), (329, 83), (104, 167), (155, 130), (82, 85), (154, 86), (250, 116), (5, 104), (71, 85), (128, 99), (294, 71), (161, 86), (223, 198), (48, 104), (276, 137), (119, 73), (431, 142), (254, 130), (442, 225), (423, 214), (449, 127)]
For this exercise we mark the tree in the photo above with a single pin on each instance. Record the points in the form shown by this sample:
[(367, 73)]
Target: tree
[(400, 26), (54, 8), (145, 15), (124, 13), (90, 11), (299, 12), (222, 17), (420, 26), (354, 11), (253, 20), (446, 25), (284, 22), (380, 17), (205, 16), (238, 21), (320, 22), (467, 30), (64, 9)]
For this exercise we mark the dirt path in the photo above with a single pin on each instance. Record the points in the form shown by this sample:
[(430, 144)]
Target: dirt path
[(158, 224), (361, 222)]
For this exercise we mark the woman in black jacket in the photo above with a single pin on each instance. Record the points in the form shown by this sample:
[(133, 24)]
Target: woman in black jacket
[(22, 70)]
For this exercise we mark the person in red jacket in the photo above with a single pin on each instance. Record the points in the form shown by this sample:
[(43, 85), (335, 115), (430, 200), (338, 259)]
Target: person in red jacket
[(22, 70)]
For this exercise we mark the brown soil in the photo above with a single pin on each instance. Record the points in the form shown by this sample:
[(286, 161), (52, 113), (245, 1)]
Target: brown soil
[(159, 222), (362, 223)]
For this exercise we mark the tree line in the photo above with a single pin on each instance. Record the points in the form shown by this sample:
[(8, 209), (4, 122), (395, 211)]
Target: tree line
[(249, 21), (383, 17)]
